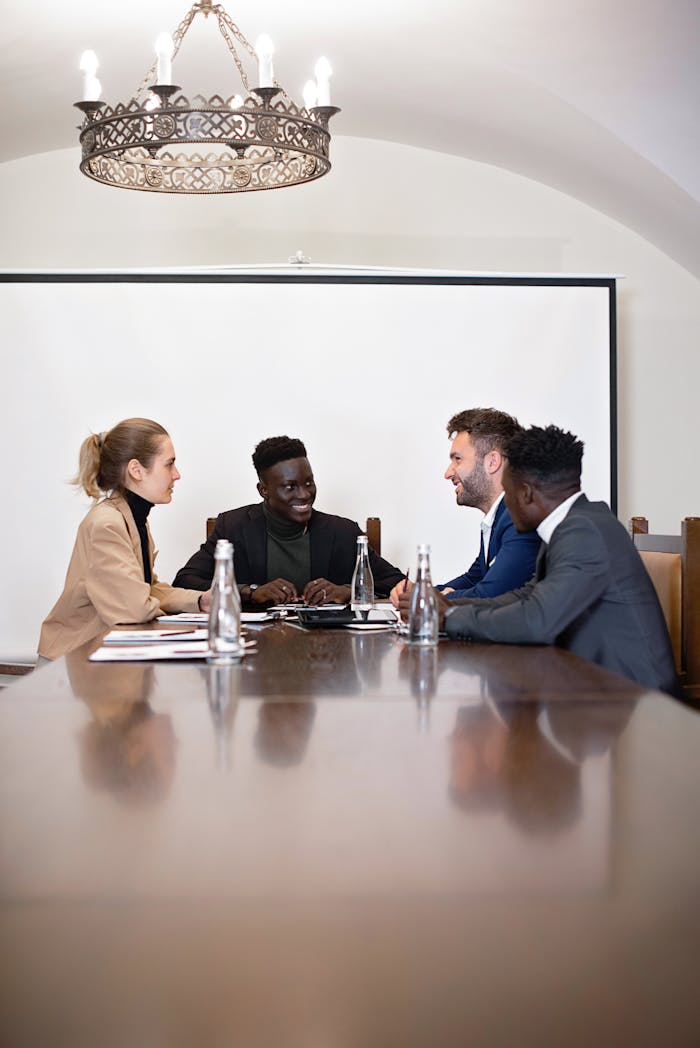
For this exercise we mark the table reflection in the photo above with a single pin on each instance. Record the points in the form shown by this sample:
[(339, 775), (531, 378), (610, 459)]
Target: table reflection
[(127, 749), (334, 785), (283, 732), (526, 759), (223, 689)]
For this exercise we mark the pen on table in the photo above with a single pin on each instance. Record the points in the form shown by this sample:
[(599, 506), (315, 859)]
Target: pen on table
[(178, 633)]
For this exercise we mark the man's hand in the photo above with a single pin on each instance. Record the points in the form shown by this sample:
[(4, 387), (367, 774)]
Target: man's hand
[(401, 587), (321, 591), (279, 591), (204, 601), (405, 603), (404, 600), (443, 606)]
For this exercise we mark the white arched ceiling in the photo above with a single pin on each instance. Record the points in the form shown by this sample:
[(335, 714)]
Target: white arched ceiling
[(596, 99)]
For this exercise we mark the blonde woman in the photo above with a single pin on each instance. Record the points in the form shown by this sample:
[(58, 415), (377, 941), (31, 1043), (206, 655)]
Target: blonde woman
[(110, 577)]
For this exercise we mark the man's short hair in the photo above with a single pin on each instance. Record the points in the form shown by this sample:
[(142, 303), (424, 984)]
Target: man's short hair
[(276, 449), (487, 428), (549, 458)]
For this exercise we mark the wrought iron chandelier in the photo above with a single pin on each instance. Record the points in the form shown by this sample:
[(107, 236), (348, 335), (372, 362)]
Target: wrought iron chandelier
[(162, 142)]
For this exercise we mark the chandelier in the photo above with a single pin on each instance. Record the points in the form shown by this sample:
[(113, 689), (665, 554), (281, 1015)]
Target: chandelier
[(162, 142)]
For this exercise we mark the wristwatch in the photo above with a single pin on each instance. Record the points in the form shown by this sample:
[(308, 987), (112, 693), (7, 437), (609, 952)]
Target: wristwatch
[(252, 586)]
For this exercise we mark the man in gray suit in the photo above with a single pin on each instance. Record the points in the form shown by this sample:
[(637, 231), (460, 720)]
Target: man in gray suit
[(591, 593)]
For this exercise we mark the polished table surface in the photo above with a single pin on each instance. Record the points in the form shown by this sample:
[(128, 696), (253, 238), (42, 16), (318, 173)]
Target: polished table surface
[(344, 841)]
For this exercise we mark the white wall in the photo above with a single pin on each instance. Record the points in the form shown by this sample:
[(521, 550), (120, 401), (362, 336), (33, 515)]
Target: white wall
[(385, 204)]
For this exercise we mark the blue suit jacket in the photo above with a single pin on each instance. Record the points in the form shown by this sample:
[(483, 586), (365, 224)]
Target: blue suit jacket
[(512, 559)]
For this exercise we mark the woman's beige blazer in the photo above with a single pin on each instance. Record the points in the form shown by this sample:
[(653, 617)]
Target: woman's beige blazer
[(105, 582)]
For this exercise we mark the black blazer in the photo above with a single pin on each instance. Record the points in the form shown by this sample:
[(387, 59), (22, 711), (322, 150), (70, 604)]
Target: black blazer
[(591, 594), (333, 542)]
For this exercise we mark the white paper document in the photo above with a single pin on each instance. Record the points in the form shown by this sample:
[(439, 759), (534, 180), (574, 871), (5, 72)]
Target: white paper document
[(151, 652), (155, 636), (201, 618)]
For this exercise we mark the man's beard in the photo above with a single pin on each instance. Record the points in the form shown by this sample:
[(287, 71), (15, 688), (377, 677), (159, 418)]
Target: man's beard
[(475, 488)]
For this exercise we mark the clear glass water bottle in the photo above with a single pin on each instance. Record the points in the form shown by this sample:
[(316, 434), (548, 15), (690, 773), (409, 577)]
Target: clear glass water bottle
[(362, 586), (423, 614), (225, 610)]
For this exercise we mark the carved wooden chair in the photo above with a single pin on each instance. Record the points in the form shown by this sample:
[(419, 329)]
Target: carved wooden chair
[(673, 563)]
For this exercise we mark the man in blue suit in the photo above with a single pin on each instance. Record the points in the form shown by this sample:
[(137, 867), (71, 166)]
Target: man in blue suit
[(506, 557)]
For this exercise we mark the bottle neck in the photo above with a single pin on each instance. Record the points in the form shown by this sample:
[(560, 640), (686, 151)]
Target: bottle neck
[(223, 571), (423, 571)]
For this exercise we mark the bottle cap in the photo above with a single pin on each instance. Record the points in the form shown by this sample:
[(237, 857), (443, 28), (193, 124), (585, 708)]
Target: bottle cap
[(224, 548), (423, 547)]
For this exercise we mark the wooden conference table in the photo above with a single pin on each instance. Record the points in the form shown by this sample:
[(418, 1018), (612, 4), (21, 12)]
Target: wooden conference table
[(344, 842)]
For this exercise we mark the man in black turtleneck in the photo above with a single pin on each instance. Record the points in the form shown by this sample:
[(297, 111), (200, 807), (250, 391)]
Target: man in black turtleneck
[(283, 548)]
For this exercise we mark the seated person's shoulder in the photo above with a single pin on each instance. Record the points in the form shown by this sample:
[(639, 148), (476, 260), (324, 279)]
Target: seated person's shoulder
[(105, 513), (335, 523), (589, 517), (239, 515), (585, 534), (599, 518)]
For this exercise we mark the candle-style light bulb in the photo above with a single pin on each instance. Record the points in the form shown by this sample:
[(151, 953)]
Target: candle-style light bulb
[(88, 62), (323, 73), (88, 67), (309, 94), (264, 48), (164, 54)]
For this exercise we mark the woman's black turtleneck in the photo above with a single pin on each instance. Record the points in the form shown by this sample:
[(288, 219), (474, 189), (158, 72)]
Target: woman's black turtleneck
[(140, 509)]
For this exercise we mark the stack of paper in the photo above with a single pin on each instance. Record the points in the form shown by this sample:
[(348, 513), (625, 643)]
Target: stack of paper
[(154, 636), (149, 645), (201, 618)]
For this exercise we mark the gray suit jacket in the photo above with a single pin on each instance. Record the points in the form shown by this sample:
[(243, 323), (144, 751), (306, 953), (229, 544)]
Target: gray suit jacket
[(590, 594)]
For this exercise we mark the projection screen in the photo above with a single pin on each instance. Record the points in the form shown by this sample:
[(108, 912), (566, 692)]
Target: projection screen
[(366, 368)]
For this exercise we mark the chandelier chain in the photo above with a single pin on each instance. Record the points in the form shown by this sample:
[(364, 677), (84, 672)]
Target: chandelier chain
[(226, 25), (227, 28)]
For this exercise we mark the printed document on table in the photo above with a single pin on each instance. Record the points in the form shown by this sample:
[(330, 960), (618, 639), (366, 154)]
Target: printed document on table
[(201, 618), (154, 636), (153, 652)]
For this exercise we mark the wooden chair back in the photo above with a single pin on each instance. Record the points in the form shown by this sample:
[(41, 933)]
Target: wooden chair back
[(673, 563), (374, 532)]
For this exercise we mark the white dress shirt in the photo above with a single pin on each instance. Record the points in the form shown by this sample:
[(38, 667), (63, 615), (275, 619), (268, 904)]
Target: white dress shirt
[(554, 519), (487, 526)]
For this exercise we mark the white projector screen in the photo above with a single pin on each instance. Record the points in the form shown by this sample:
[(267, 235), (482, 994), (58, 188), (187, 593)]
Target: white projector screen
[(366, 369)]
